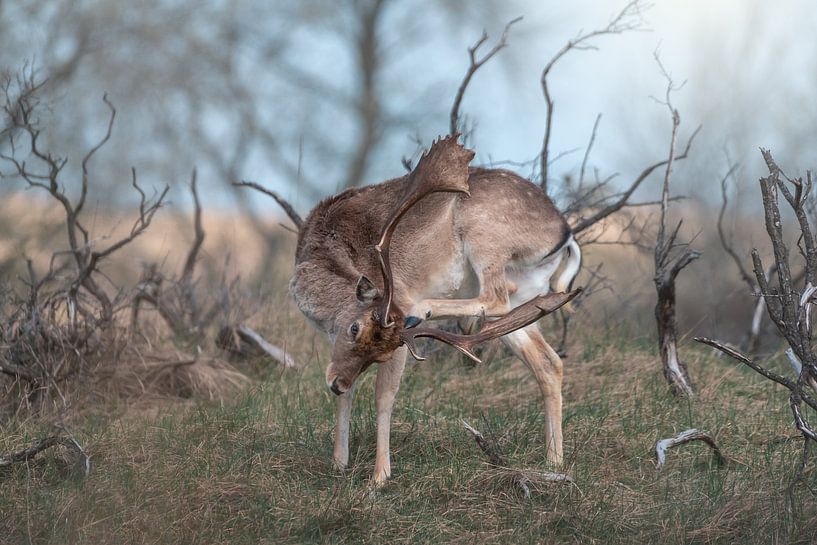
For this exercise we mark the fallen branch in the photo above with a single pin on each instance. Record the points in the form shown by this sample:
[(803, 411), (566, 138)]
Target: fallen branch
[(44, 444), (520, 478), (494, 456), (686, 437), (243, 341)]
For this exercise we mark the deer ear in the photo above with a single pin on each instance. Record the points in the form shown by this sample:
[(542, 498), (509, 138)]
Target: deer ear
[(366, 291)]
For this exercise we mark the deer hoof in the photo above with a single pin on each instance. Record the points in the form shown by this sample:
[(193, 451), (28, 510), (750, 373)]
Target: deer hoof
[(411, 321)]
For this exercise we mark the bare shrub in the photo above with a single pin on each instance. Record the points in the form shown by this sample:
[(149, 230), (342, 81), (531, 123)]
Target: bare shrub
[(65, 331), (788, 303)]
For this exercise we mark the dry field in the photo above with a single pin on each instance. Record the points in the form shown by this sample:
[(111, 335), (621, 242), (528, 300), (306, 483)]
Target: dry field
[(240, 451)]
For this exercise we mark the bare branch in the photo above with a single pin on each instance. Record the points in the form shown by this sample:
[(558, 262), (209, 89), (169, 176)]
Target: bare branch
[(243, 340), (676, 198), (44, 444), (628, 19), (521, 478), (625, 196), (80, 246), (771, 375), (495, 457), (192, 254), (682, 438), (744, 274), (588, 149), (475, 64), (91, 152), (283, 203), (796, 396), (667, 268), (594, 284)]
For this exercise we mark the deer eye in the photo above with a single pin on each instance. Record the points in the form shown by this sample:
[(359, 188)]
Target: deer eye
[(354, 329)]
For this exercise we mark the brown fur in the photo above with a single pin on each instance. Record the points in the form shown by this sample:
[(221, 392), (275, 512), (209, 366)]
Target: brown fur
[(440, 246), (506, 216)]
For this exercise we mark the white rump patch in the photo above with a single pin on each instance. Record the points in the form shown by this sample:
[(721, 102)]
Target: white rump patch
[(532, 280)]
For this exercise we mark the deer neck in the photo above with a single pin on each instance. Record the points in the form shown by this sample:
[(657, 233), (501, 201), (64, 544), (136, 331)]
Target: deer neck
[(336, 246)]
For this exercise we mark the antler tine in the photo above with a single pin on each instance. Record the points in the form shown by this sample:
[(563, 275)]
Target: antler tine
[(523, 315), (444, 167)]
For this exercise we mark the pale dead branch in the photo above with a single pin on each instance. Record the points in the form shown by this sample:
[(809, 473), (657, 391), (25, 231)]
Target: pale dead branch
[(521, 478), (670, 258), (687, 436), (28, 453), (243, 341)]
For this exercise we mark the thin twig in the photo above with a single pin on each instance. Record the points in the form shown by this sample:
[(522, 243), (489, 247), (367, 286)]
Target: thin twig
[(520, 478), (771, 375), (585, 223), (727, 246), (588, 149), (192, 254), (475, 64), (627, 19), (283, 203)]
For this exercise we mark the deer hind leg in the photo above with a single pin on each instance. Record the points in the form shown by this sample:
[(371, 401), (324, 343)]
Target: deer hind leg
[(492, 299), (529, 346), (386, 385), (343, 414)]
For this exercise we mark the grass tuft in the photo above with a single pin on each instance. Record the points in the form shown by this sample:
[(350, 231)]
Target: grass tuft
[(254, 465)]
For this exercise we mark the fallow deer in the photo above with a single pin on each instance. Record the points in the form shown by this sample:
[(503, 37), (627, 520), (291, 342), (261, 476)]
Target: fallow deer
[(374, 262)]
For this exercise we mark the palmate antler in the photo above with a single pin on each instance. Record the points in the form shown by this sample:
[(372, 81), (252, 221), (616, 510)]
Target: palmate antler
[(445, 168), (523, 315)]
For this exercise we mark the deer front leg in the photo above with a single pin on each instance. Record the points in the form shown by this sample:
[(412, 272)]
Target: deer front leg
[(386, 385), (343, 415), (459, 308), (492, 301)]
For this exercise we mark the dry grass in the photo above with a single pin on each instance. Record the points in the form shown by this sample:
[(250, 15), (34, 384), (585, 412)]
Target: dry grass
[(125, 366), (256, 468), (190, 448)]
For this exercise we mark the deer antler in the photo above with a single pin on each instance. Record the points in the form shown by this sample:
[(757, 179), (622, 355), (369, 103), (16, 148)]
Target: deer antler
[(523, 315), (444, 167)]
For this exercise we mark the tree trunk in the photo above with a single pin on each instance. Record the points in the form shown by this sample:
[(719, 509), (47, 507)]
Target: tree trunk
[(675, 370)]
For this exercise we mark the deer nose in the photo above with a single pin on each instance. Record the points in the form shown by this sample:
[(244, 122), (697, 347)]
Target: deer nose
[(335, 389)]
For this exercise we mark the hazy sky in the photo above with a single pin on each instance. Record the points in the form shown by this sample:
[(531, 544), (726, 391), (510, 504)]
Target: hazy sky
[(749, 68)]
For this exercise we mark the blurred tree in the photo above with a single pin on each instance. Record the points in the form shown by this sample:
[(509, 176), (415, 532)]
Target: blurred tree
[(309, 93)]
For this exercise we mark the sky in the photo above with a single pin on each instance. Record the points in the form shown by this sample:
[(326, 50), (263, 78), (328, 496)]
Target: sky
[(747, 68)]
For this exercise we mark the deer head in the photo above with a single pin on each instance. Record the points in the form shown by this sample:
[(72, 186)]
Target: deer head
[(374, 328)]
